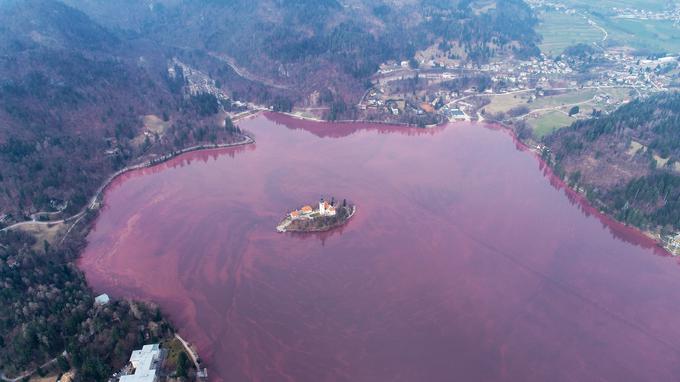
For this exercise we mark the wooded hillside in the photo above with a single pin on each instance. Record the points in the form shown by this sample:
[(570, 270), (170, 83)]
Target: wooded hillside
[(629, 161)]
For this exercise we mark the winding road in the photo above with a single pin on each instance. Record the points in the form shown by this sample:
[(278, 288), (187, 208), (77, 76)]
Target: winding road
[(192, 353), (31, 372), (95, 199), (244, 73)]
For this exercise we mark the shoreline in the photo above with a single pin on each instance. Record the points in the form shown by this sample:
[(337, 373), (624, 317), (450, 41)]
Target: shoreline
[(366, 121), (96, 198), (96, 202), (281, 228), (654, 236)]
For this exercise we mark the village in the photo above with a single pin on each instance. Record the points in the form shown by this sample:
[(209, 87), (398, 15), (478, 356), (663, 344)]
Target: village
[(581, 64), (437, 89)]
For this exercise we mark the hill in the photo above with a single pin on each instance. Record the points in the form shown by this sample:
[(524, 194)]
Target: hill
[(73, 96), (313, 45), (79, 82), (628, 162)]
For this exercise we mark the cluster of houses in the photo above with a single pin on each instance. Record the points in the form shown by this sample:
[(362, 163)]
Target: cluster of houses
[(674, 245), (307, 212), (197, 82), (670, 14), (397, 106)]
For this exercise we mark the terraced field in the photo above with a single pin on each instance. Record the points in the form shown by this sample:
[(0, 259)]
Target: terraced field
[(648, 34), (560, 30)]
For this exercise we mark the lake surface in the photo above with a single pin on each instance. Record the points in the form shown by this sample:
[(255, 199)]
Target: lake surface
[(466, 261)]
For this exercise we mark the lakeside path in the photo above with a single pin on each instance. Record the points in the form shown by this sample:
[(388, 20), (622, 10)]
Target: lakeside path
[(29, 373), (92, 205), (192, 353)]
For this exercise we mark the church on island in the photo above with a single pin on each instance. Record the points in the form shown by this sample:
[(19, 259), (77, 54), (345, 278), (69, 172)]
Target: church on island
[(307, 212)]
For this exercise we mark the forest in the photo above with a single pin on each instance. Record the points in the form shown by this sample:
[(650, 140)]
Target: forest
[(71, 109), (48, 309), (627, 161), (309, 45)]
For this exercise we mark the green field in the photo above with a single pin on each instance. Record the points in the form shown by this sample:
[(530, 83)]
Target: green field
[(548, 122), (505, 102), (649, 34), (560, 30), (568, 98), (604, 6)]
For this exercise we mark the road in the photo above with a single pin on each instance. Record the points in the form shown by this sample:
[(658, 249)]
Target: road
[(595, 25), (241, 72), (31, 372), (192, 354), (95, 199)]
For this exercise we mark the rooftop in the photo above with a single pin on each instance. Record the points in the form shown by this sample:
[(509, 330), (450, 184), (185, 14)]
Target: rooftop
[(102, 299), (144, 362)]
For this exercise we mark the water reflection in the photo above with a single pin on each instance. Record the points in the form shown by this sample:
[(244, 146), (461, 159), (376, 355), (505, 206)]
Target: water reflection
[(341, 130), (181, 161)]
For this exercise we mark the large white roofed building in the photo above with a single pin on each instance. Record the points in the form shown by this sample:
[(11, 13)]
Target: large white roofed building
[(145, 362), (102, 299)]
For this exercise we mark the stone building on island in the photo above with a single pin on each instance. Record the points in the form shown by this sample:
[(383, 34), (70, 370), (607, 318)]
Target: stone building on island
[(307, 212)]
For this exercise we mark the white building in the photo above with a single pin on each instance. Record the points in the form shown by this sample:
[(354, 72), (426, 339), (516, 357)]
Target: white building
[(325, 209), (675, 244), (145, 362), (102, 299)]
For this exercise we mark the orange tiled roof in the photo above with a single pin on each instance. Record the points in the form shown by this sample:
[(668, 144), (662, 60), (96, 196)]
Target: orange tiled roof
[(427, 107), (307, 209)]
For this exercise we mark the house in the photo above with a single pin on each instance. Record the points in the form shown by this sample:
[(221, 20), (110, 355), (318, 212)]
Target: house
[(427, 107), (307, 212), (326, 209), (457, 115), (145, 363), (102, 299), (674, 244), (302, 213)]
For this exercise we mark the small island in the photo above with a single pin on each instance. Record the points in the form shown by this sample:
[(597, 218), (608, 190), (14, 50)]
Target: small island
[(326, 217)]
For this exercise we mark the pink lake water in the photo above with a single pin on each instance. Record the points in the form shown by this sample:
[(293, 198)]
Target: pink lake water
[(466, 261)]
